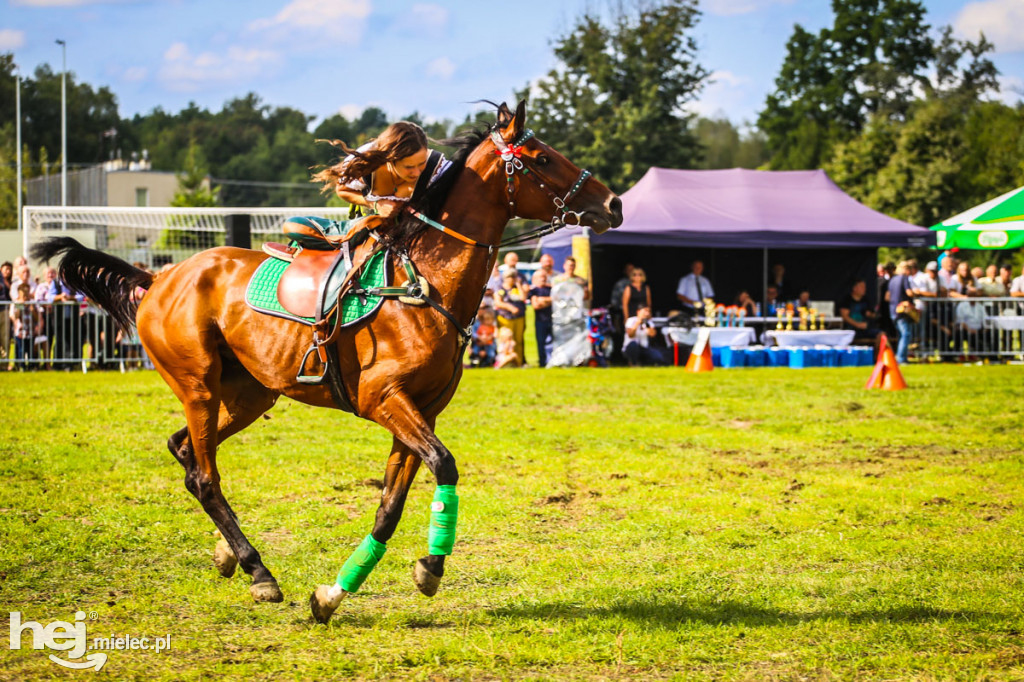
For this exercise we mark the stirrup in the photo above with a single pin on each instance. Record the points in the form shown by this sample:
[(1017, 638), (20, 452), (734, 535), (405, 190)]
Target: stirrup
[(310, 378)]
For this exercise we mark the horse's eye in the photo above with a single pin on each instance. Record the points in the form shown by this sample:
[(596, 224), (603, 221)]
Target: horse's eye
[(543, 160)]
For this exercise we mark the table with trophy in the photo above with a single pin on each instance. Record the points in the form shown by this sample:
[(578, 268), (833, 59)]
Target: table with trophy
[(803, 326), (726, 326)]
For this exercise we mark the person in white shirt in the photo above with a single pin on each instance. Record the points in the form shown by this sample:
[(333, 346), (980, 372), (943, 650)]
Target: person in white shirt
[(694, 288), (990, 285), (1017, 286), (637, 344), (969, 320)]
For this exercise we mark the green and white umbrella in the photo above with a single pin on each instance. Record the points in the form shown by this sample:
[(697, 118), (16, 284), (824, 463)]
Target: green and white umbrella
[(996, 224)]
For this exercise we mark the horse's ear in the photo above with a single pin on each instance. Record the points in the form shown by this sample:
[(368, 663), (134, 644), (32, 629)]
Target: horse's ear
[(505, 115), (519, 122)]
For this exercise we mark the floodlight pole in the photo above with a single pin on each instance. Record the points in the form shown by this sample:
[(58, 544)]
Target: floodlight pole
[(64, 131), (17, 136)]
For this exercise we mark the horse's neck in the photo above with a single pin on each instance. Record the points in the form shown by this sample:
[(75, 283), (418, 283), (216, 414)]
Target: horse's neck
[(457, 271)]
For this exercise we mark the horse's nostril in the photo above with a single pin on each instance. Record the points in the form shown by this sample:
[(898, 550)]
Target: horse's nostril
[(615, 206)]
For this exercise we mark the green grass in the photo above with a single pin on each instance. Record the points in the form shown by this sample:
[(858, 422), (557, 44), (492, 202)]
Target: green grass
[(615, 524)]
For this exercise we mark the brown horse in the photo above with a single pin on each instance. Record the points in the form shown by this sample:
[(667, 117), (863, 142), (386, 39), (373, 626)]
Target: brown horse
[(228, 364)]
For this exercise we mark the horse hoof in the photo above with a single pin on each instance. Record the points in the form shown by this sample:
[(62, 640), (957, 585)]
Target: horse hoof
[(324, 601), (426, 582), (224, 558), (268, 591)]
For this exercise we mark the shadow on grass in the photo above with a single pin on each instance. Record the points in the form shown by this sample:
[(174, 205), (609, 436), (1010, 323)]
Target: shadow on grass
[(671, 613)]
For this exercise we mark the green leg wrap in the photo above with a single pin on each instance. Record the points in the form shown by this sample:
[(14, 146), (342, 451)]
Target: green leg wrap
[(360, 563), (444, 514)]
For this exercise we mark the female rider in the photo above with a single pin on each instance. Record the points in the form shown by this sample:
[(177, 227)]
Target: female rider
[(382, 175)]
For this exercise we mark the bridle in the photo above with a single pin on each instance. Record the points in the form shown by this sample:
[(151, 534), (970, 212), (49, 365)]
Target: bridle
[(415, 293), (511, 154)]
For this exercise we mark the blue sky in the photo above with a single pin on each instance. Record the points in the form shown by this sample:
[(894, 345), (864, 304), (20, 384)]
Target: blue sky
[(325, 56)]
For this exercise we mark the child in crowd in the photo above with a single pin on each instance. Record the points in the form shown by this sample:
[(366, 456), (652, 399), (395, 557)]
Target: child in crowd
[(26, 322), (507, 356), (483, 351)]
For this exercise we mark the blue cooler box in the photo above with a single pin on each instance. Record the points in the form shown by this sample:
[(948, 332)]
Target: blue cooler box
[(847, 357), (865, 355), (733, 357), (755, 356), (716, 357), (776, 357), (801, 358)]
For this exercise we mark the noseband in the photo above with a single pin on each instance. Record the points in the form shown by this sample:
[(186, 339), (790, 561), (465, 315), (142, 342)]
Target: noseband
[(511, 154)]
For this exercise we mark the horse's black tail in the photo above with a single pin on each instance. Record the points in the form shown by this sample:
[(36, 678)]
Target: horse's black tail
[(107, 280)]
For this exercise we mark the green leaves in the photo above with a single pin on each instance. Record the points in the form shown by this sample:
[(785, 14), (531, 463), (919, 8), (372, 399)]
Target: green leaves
[(615, 103)]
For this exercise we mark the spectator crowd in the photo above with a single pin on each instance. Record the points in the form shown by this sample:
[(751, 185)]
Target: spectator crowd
[(44, 323)]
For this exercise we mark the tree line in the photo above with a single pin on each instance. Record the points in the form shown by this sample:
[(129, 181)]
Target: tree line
[(901, 115)]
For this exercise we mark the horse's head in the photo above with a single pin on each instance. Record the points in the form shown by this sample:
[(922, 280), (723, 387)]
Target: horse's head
[(543, 184)]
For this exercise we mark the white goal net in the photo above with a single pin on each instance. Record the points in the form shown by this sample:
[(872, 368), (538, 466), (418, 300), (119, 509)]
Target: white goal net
[(157, 236)]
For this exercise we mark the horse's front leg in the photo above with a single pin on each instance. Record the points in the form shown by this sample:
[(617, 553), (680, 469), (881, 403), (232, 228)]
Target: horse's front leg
[(401, 470)]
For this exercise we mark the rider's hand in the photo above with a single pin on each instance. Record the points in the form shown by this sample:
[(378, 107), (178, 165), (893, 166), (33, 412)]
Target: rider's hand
[(387, 208)]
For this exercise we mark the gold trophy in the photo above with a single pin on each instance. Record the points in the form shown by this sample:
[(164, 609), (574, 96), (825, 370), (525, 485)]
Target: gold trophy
[(802, 312), (789, 317), (709, 312)]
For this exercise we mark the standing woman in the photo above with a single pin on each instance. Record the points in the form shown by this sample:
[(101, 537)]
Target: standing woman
[(382, 175), (637, 294)]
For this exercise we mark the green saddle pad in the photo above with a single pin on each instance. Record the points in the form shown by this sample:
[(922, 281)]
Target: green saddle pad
[(261, 294)]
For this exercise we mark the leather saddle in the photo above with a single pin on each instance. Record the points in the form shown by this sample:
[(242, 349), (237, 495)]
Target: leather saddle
[(320, 260)]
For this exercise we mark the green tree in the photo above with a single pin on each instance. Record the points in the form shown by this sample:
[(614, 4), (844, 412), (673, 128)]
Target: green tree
[(724, 146), (194, 191), (616, 102), (867, 63)]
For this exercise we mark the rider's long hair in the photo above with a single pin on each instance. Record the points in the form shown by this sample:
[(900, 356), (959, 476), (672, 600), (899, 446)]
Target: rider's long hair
[(398, 141)]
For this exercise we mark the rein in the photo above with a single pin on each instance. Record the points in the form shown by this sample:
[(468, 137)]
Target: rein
[(511, 154)]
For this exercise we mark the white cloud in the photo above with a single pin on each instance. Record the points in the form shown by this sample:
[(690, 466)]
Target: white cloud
[(11, 39), (732, 7), (423, 19), (134, 74), (1011, 89), (725, 94), (999, 20), (307, 21), (441, 68), (183, 71), (352, 111), (64, 3)]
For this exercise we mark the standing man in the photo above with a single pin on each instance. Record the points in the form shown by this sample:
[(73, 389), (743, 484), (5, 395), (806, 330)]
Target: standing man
[(570, 276), (694, 288), (547, 265), (901, 289), (779, 279), (540, 300)]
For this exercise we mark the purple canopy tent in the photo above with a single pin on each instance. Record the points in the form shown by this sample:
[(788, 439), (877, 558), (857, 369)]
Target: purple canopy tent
[(705, 210), (744, 209)]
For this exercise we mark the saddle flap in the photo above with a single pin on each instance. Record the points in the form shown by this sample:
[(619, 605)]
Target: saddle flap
[(306, 277)]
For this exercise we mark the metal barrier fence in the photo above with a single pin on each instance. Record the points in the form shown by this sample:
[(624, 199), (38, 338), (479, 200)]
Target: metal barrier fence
[(64, 335), (964, 328)]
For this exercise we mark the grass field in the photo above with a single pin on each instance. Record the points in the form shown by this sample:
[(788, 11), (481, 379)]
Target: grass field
[(615, 524)]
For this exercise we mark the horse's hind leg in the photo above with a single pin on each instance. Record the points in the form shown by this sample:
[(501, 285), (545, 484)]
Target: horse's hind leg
[(399, 475), (217, 408)]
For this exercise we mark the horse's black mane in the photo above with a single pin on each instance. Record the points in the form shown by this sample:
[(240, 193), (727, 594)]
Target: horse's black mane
[(432, 199)]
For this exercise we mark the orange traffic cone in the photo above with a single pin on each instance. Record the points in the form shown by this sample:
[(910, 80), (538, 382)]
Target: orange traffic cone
[(700, 356), (887, 375)]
